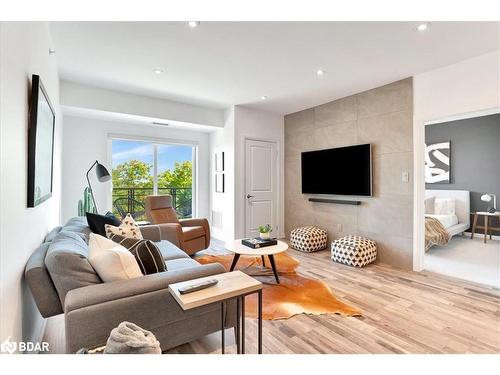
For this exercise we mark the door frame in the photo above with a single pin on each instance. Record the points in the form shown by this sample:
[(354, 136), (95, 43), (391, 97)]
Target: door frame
[(419, 178), (279, 182)]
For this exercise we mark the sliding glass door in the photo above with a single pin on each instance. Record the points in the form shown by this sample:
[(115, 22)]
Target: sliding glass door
[(142, 168)]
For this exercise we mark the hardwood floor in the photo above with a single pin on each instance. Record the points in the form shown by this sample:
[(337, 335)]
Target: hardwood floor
[(403, 312)]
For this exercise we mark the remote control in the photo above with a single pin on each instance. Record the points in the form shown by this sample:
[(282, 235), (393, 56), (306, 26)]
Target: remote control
[(198, 286)]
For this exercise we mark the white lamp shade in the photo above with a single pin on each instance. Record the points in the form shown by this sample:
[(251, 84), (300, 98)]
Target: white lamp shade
[(486, 198)]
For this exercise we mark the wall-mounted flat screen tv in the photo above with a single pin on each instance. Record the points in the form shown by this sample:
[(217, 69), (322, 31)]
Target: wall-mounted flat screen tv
[(338, 171)]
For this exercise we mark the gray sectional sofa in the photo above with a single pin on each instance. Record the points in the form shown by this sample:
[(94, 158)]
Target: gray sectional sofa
[(63, 281)]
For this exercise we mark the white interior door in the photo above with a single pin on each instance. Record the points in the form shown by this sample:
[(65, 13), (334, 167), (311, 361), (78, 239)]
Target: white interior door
[(261, 187)]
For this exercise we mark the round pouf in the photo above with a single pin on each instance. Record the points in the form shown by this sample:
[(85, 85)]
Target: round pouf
[(308, 239), (354, 251)]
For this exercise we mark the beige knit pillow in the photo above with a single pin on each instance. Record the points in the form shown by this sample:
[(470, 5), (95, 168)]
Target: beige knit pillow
[(128, 228)]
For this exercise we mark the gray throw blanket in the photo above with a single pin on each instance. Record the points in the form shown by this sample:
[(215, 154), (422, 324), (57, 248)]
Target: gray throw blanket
[(129, 338)]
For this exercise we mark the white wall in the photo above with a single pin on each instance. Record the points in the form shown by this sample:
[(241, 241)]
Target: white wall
[(24, 51), (242, 123), (452, 92), (87, 140), (262, 126), (223, 203), (92, 98)]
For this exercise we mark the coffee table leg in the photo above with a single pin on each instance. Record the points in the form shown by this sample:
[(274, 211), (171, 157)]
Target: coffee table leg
[(263, 260), (260, 323), (243, 325), (223, 333), (238, 312), (235, 260), (273, 265)]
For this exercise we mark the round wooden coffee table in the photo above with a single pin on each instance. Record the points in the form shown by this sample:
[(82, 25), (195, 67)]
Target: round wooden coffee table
[(238, 249)]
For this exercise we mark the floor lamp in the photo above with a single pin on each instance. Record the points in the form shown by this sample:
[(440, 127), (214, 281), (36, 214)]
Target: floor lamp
[(102, 176)]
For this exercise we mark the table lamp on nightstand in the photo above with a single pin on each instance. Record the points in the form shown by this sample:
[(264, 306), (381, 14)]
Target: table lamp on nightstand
[(487, 198)]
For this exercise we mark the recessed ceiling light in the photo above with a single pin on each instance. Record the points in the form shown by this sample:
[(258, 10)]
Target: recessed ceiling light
[(158, 71), (320, 72), (264, 97), (423, 26), (193, 24)]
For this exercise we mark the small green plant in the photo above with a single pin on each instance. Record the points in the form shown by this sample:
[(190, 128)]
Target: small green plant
[(265, 228)]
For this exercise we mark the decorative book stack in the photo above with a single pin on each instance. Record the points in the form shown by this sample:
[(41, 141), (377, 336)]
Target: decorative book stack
[(258, 242)]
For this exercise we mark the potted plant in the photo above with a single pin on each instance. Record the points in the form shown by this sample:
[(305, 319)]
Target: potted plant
[(264, 231)]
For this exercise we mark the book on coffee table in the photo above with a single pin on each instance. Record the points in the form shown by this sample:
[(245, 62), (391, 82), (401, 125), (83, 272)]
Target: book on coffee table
[(258, 242)]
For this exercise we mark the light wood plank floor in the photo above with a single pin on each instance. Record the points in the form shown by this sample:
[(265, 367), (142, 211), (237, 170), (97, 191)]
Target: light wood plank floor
[(403, 312)]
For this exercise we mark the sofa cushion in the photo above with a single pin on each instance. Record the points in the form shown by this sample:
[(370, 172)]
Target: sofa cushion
[(182, 263), (96, 222), (112, 261), (127, 228), (68, 264), (147, 254), (190, 233), (40, 283), (169, 251)]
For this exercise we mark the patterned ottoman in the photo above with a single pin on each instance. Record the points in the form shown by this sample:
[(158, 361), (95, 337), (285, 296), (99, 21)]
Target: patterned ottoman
[(308, 239), (354, 251)]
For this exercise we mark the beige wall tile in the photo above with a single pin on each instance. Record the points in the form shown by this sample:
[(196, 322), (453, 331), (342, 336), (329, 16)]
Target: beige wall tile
[(387, 173), (382, 117), (393, 250), (341, 134), (393, 97), (391, 132), (338, 111), (299, 121), (391, 215)]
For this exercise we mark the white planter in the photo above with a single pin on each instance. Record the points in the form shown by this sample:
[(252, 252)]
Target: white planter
[(265, 236)]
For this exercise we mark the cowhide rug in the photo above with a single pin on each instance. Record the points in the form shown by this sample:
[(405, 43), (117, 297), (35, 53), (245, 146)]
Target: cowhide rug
[(294, 295)]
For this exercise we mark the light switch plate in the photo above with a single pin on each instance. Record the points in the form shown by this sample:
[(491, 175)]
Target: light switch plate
[(405, 176)]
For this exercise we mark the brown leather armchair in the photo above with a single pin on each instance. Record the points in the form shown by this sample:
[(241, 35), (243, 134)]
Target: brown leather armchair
[(190, 235)]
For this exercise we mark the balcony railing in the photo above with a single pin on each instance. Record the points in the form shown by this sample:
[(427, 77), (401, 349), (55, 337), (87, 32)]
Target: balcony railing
[(131, 200)]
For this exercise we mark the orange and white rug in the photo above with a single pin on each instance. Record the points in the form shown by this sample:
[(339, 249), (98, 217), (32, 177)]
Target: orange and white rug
[(294, 295)]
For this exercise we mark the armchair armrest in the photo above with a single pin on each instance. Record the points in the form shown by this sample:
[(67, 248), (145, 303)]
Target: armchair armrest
[(157, 232), (108, 292), (201, 222)]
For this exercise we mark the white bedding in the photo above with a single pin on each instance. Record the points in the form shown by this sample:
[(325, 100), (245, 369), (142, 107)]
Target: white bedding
[(447, 220)]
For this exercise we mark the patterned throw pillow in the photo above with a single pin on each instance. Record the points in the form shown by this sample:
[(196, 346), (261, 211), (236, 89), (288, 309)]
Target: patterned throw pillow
[(146, 253), (128, 228)]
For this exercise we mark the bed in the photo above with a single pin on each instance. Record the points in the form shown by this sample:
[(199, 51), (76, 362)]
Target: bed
[(454, 223)]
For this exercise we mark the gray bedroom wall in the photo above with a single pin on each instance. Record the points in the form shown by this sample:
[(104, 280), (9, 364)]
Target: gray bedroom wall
[(474, 154)]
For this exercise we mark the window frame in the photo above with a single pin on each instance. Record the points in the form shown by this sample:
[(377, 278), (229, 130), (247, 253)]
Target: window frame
[(155, 142)]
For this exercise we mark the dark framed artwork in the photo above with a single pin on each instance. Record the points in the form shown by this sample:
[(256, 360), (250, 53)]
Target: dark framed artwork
[(41, 129), (219, 161), (437, 163), (219, 182)]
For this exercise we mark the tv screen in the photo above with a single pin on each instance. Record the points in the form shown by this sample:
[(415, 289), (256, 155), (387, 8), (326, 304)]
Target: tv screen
[(338, 171)]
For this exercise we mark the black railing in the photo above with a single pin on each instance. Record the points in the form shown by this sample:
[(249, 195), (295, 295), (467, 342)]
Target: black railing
[(131, 200)]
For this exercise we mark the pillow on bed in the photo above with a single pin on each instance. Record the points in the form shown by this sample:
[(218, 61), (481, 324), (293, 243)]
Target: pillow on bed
[(429, 205), (444, 206)]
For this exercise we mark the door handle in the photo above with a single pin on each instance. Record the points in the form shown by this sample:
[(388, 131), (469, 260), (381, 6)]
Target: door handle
[(250, 196)]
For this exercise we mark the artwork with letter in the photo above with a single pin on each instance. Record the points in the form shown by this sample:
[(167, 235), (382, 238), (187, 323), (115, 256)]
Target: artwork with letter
[(42, 121), (437, 163)]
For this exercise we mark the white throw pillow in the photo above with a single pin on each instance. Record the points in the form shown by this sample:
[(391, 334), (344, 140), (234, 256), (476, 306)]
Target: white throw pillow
[(128, 228), (112, 261), (444, 206)]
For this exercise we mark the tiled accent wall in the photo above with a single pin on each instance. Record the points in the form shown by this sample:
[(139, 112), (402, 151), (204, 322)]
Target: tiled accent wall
[(383, 117)]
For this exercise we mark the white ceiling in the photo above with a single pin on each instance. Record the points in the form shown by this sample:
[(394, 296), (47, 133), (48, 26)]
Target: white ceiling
[(228, 63)]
